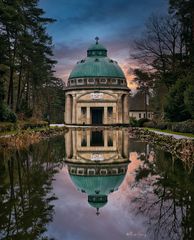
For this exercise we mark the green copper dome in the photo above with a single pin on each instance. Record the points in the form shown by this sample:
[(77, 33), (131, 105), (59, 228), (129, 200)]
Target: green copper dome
[(94, 185), (97, 64), (97, 46), (97, 67), (97, 187)]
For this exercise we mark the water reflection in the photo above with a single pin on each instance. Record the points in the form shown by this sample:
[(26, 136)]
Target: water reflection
[(97, 162), (53, 189), (26, 197)]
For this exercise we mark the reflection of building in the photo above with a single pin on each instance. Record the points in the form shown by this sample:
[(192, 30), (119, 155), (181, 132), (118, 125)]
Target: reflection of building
[(139, 105), (97, 91), (97, 181), (97, 162), (87, 146)]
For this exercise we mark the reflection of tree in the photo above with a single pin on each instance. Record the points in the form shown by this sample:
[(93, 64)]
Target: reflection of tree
[(25, 190), (166, 197)]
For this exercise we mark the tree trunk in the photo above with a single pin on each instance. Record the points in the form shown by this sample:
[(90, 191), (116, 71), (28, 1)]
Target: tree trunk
[(19, 86)]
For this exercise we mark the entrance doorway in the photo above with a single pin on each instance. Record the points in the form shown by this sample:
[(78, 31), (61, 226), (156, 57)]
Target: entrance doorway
[(97, 115)]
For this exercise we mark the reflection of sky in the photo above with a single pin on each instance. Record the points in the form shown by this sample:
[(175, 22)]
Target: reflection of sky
[(75, 219), (116, 22)]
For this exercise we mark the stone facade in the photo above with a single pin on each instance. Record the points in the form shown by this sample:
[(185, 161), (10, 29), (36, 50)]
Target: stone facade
[(102, 146), (112, 105)]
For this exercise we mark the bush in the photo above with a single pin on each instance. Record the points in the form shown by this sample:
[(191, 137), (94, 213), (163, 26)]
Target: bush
[(142, 121), (32, 124), (133, 122), (7, 126), (6, 114), (138, 123), (186, 126), (149, 124), (162, 125)]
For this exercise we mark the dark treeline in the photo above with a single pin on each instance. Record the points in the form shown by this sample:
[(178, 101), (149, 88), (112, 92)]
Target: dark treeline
[(27, 83), (166, 56)]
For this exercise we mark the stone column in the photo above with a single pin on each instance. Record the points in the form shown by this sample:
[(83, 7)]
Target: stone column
[(105, 121), (88, 115), (126, 109), (68, 144), (119, 143), (120, 109), (125, 144), (68, 109), (88, 137), (105, 138), (114, 117), (74, 109)]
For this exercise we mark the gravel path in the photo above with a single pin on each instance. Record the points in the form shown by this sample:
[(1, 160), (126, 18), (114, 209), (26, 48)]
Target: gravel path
[(57, 125), (171, 134)]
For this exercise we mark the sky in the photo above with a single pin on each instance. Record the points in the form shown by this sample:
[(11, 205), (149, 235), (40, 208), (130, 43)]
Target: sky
[(116, 22)]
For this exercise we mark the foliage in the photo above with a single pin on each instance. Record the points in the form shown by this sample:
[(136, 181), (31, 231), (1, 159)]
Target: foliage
[(137, 123), (6, 114), (7, 126), (26, 56), (22, 125), (185, 127), (175, 108), (166, 50), (189, 97)]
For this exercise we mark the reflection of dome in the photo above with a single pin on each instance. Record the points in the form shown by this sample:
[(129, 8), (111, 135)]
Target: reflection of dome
[(97, 185), (97, 181)]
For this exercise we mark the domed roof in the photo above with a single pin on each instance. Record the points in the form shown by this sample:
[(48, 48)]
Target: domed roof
[(97, 46), (97, 67), (97, 64), (97, 185)]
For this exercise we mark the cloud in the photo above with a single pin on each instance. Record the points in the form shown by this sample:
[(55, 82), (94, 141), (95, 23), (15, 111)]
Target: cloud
[(117, 23)]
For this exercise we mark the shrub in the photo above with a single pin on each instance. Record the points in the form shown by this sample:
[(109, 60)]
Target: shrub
[(149, 124), (7, 126), (186, 126), (6, 114), (162, 125), (174, 107), (133, 122), (142, 121), (32, 124)]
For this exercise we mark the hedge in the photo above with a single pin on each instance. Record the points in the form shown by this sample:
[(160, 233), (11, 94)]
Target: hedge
[(184, 127), (8, 126)]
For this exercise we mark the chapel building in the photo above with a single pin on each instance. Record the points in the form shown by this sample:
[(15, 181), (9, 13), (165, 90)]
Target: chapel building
[(97, 91)]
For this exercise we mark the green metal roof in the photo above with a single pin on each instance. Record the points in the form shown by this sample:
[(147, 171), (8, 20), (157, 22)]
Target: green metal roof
[(97, 46), (103, 184), (97, 64), (97, 67)]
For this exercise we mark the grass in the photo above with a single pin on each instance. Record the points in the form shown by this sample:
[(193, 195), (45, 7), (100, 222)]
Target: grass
[(171, 132), (36, 129)]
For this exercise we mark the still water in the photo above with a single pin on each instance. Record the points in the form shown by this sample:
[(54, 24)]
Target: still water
[(90, 185)]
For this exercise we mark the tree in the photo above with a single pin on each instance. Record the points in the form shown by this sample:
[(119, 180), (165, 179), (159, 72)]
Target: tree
[(144, 82), (27, 54), (184, 12), (175, 108), (161, 48)]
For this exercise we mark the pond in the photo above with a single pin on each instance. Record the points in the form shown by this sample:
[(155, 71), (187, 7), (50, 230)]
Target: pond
[(95, 184)]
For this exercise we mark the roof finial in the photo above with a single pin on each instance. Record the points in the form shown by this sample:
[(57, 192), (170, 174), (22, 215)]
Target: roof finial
[(97, 39), (97, 212)]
